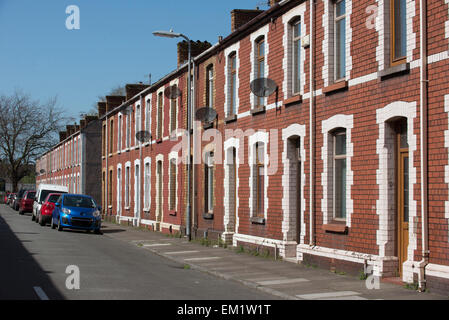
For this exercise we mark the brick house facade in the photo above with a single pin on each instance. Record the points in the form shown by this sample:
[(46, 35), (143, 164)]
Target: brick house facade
[(75, 161), (332, 167)]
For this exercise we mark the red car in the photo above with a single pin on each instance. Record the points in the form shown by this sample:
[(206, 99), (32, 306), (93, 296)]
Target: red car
[(44, 216), (26, 204), (5, 200)]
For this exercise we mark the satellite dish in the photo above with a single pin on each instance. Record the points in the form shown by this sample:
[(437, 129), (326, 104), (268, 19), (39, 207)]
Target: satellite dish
[(172, 92), (42, 171), (143, 136), (206, 114), (263, 87)]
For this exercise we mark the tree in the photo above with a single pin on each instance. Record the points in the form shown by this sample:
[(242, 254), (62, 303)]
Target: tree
[(27, 129)]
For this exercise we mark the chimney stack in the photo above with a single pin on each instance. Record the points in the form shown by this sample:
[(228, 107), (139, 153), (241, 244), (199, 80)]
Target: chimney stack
[(101, 108), (62, 135), (134, 89), (198, 48), (240, 17), (113, 102)]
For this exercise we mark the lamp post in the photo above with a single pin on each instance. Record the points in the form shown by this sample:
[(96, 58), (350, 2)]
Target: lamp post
[(171, 34)]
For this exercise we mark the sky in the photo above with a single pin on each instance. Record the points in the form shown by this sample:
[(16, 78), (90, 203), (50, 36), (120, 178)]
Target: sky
[(114, 45)]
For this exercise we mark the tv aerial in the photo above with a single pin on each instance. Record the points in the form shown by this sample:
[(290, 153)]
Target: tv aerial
[(172, 92), (206, 115), (263, 87)]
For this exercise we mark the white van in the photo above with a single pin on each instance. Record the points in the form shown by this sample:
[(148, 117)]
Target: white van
[(42, 192)]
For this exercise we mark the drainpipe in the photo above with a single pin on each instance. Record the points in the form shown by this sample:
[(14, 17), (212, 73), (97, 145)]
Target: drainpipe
[(195, 142), (311, 124), (423, 117), (106, 175)]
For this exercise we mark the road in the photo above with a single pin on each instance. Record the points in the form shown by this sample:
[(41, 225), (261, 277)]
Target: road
[(34, 261)]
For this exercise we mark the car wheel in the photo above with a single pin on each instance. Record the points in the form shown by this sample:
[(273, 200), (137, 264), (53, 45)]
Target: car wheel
[(41, 221), (21, 212), (60, 228), (97, 231)]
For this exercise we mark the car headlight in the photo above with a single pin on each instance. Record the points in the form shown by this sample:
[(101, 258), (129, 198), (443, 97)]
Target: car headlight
[(97, 213), (66, 211)]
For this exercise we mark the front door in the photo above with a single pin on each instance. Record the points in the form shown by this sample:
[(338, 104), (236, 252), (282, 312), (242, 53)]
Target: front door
[(402, 195)]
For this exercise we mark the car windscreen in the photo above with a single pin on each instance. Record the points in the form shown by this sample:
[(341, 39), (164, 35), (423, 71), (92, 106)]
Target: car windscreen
[(53, 198), (31, 195), (44, 194), (79, 202)]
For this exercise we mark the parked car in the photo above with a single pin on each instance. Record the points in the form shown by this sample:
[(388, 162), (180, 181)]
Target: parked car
[(18, 198), (11, 199), (26, 204), (41, 194), (77, 212), (5, 200), (44, 215)]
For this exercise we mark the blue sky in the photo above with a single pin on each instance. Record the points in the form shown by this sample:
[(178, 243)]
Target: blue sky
[(114, 45)]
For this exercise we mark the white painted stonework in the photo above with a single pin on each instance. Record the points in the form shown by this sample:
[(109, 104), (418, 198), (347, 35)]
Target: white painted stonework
[(328, 45), (289, 220), (230, 225), (446, 144), (337, 121), (253, 37), (386, 181), (119, 188), (287, 61), (146, 161), (234, 48), (258, 137), (383, 31)]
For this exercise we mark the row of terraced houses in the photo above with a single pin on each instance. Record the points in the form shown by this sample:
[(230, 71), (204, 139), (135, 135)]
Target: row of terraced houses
[(344, 166)]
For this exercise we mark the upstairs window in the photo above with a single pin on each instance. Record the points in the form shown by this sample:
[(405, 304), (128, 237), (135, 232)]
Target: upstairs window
[(398, 29), (260, 65), (119, 133), (340, 39), (159, 115), (173, 115), (138, 123), (128, 131), (111, 137), (232, 84), (148, 116), (210, 86), (296, 55)]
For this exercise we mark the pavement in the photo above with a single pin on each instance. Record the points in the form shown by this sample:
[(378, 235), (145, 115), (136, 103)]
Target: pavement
[(36, 263), (281, 279)]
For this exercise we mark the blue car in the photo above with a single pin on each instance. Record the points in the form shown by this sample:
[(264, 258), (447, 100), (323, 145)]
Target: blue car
[(75, 211)]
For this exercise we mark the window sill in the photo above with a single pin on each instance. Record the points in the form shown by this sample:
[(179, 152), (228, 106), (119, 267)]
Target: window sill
[(296, 99), (231, 118), (208, 216), (172, 213), (158, 141), (336, 227), (258, 110), (257, 220), (397, 70), (127, 208), (337, 86)]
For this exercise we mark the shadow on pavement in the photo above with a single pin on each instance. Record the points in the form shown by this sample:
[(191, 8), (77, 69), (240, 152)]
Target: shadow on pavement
[(19, 271)]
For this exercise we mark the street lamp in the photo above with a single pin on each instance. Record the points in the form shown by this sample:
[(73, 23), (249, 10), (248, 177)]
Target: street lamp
[(171, 34)]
